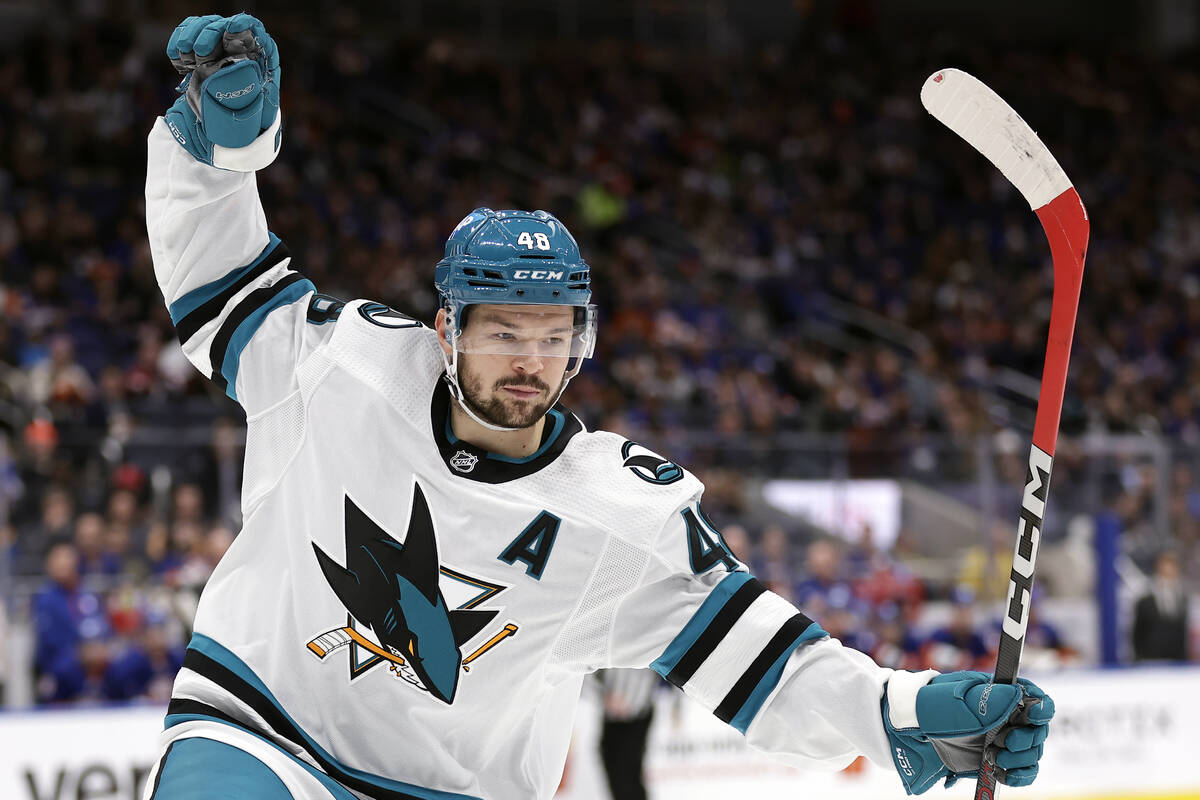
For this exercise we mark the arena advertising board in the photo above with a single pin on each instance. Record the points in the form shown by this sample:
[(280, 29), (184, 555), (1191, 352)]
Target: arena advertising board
[(95, 754), (1119, 734), (842, 507)]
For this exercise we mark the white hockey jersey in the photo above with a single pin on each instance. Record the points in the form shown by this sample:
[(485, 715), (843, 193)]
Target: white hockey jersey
[(414, 615)]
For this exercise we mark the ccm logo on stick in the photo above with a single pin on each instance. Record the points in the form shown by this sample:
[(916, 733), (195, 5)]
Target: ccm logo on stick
[(1029, 534)]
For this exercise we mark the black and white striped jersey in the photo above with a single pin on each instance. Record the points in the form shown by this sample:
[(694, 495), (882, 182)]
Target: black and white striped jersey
[(414, 615), (627, 693)]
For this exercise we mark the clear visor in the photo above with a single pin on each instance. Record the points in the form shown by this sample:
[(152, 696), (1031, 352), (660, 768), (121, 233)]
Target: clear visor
[(555, 332)]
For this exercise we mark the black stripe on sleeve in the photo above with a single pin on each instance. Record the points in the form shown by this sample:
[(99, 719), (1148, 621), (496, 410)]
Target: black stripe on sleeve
[(250, 303), (162, 765), (757, 670), (211, 308), (227, 679), (179, 705), (706, 642)]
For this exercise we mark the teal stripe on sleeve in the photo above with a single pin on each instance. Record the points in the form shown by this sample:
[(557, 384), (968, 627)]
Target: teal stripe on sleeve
[(695, 626), (250, 325), (749, 710), (202, 294)]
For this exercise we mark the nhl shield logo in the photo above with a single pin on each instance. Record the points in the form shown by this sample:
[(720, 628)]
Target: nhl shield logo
[(464, 461)]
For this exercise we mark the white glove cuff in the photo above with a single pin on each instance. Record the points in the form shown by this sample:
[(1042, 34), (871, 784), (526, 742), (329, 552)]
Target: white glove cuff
[(254, 156), (902, 688)]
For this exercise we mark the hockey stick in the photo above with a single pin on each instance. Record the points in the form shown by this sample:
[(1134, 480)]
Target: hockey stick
[(976, 113)]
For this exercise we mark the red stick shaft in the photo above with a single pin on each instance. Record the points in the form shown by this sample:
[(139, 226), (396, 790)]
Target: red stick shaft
[(1067, 229)]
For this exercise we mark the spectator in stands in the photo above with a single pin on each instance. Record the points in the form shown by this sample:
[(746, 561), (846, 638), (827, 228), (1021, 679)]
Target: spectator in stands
[(187, 505), (844, 616), (12, 488), (1160, 618), (146, 668), (64, 617), (6, 665), (1045, 647), (41, 467), (738, 541), (123, 508), (90, 545), (224, 478), (958, 644), (187, 540), (86, 684), (893, 643), (877, 577), (160, 556), (126, 527), (824, 585), (200, 559), (986, 565), (863, 556), (774, 565), (60, 380), (54, 525)]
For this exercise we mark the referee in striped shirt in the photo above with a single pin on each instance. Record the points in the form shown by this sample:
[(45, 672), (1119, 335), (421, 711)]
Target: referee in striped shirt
[(628, 696)]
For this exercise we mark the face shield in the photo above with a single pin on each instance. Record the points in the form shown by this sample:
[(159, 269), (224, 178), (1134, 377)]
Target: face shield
[(550, 332)]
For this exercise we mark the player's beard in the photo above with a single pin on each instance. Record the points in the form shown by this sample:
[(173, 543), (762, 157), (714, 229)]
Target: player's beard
[(498, 409)]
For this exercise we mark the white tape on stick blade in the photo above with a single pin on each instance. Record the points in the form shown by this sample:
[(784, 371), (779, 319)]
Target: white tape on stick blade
[(968, 107)]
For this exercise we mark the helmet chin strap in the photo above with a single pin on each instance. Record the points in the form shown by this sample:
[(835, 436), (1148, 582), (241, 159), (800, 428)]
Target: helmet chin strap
[(457, 393)]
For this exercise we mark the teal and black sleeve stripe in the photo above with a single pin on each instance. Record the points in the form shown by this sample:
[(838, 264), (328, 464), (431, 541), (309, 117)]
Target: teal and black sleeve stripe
[(722, 611), (203, 304), (707, 627), (741, 705), (244, 320)]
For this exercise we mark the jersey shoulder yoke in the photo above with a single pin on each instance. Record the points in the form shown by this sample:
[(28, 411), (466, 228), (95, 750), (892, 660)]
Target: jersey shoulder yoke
[(627, 487)]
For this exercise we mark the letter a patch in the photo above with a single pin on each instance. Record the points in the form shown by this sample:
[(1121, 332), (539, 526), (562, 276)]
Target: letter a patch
[(532, 546)]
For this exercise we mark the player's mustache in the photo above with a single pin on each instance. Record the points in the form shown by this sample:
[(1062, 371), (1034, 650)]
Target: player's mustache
[(532, 381)]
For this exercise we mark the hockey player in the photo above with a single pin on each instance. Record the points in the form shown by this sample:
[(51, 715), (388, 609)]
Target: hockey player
[(434, 551)]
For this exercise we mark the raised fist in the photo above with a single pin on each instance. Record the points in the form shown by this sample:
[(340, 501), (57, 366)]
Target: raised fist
[(227, 114)]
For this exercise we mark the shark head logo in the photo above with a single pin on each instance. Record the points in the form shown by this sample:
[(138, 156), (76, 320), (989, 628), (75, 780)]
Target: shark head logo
[(393, 588)]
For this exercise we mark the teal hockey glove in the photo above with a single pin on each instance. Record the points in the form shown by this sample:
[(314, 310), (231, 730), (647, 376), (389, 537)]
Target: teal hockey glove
[(937, 727), (227, 114)]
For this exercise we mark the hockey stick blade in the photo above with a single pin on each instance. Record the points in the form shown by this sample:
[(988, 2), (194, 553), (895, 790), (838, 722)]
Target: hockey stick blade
[(969, 108)]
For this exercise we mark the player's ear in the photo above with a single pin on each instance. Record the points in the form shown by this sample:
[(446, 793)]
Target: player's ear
[(439, 323)]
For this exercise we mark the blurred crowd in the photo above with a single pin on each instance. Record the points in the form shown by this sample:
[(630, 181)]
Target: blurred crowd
[(118, 591), (730, 206)]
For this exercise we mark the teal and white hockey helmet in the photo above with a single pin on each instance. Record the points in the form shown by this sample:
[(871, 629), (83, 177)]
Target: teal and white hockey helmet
[(517, 258)]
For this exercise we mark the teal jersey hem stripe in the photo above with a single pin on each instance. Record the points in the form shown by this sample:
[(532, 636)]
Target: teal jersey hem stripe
[(749, 710), (250, 325), (189, 766), (171, 720), (335, 788), (695, 626), (217, 652), (202, 294)]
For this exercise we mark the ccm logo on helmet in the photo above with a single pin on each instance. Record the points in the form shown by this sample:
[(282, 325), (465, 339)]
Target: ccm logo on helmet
[(538, 275)]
